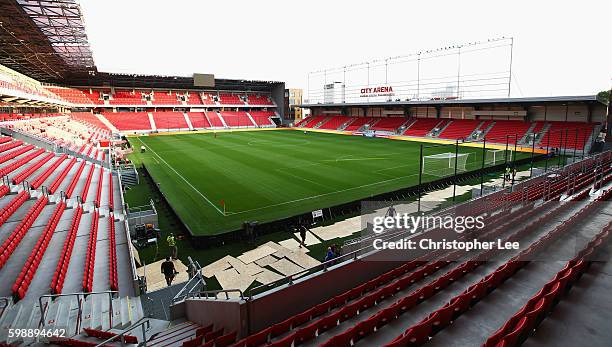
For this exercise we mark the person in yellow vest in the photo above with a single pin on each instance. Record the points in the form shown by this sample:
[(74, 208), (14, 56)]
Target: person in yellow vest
[(172, 244)]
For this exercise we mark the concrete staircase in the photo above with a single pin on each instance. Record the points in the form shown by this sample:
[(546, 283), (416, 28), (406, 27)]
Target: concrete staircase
[(321, 123), (440, 126), (129, 175), (188, 120), (107, 123), (71, 313), (152, 121)]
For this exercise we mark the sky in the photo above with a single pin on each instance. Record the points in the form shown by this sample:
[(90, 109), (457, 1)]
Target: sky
[(560, 47)]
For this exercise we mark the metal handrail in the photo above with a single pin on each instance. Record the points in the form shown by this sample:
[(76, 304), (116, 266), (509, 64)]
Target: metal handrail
[(110, 294), (207, 293), (197, 278), (141, 323), (7, 303)]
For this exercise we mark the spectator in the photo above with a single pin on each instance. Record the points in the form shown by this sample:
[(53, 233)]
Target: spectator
[(172, 244), (330, 254), (303, 231), (167, 268)]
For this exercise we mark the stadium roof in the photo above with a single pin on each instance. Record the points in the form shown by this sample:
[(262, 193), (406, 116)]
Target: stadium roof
[(467, 102), (45, 40), (106, 79)]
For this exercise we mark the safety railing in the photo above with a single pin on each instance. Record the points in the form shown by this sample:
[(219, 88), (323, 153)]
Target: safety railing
[(214, 294), (195, 283), (5, 302), (143, 323), (52, 297)]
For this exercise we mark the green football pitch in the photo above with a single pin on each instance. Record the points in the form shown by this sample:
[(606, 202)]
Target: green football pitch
[(269, 175)]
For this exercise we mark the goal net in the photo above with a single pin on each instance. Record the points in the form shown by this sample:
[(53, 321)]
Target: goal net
[(443, 164), (498, 156)]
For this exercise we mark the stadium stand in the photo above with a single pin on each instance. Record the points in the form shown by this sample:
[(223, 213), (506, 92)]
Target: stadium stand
[(169, 120), (566, 135), (389, 124), (214, 119), (165, 98), (194, 99), (334, 122), (127, 97), (259, 100), (312, 121), (89, 118), (230, 99), (359, 122), (198, 120), (512, 129), (72, 95), (459, 129), (236, 119), (207, 99), (129, 120), (421, 127), (262, 118)]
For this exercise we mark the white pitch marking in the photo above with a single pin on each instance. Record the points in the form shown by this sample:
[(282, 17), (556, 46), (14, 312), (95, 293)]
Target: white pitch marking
[(183, 178)]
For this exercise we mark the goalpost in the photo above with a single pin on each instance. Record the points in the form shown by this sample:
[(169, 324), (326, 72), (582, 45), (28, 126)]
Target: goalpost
[(443, 164), (498, 156)]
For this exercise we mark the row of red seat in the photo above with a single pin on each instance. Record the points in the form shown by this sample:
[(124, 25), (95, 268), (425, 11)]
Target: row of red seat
[(59, 179), (8, 247), (208, 337), (105, 335), (236, 118), (129, 120), (198, 120), (38, 181), (421, 126), (90, 256), (20, 162), (15, 153), (459, 129), (98, 199), (388, 123), (112, 253), (7, 211), (4, 189), (26, 275), (7, 146), (75, 180), (518, 327), (111, 203), (421, 332), (169, 120), (262, 118), (85, 190), (59, 276), (32, 168), (358, 122), (5, 139)]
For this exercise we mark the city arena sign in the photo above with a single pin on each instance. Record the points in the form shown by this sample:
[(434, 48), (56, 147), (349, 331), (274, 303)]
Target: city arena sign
[(377, 91)]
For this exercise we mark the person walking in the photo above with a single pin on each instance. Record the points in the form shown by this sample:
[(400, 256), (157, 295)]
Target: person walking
[(303, 235), (167, 268), (172, 244)]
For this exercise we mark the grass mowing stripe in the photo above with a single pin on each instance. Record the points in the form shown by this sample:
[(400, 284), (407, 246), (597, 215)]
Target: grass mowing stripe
[(183, 178)]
